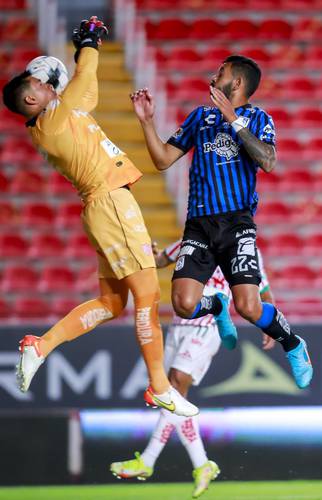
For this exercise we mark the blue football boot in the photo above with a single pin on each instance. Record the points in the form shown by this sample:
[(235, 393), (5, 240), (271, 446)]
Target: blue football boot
[(300, 364), (226, 327)]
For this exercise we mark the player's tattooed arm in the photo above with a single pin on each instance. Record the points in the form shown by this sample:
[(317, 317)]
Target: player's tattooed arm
[(264, 154)]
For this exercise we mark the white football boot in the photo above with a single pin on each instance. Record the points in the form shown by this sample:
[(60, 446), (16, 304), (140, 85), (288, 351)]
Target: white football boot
[(30, 360), (171, 401)]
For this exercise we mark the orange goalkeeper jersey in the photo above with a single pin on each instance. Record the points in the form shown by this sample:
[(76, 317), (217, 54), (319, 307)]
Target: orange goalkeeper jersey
[(74, 143)]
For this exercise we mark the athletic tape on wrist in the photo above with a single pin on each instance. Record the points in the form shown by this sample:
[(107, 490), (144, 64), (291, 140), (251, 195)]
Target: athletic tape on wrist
[(239, 123)]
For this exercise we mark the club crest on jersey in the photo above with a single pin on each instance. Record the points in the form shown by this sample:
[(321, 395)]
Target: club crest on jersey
[(246, 246), (180, 263), (268, 131), (223, 145)]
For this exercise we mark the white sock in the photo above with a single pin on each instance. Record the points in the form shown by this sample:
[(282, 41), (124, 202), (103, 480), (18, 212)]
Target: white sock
[(159, 438), (188, 432)]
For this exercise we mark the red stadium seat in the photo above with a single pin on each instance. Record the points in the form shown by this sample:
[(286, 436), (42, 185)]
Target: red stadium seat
[(205, 29), (295, 277), (28, 182), (11, 123), (282, 118), (20, 30), (213, 58), (168, 29), (13, 245), (260, 55), (313, 57), (12, 4), (289, 149), (79, 247), (271, 212), (241, 29), (263, 4), (62, 306), (4, 183), (292, 58), (307, 117), (59, 185), (308, 30), (31, 308), (181, 59), (274, 29), (268, 88), (8, 214), (313, 150), (18, 278), (285, 244), (262, 243), (46, 245), (296, 180), (37, 214), (87, 280), (192, 89), (297, 88), (19, 151), (5, 310), (68, 215), (313, 244), (20, 58), (56, 279), (267, 181)]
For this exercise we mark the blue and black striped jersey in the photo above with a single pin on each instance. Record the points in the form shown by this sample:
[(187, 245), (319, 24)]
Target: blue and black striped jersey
[(222, 175)]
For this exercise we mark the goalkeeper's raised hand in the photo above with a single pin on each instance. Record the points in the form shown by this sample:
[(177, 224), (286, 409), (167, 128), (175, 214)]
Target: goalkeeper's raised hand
[(89, 33)]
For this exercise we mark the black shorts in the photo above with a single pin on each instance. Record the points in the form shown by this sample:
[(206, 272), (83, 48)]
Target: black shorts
[(225, 240)]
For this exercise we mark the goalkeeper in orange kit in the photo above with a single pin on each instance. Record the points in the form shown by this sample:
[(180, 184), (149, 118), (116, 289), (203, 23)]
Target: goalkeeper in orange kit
[(62, 128)]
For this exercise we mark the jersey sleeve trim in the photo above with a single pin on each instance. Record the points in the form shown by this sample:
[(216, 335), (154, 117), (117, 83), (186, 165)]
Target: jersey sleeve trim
[(178, 146)]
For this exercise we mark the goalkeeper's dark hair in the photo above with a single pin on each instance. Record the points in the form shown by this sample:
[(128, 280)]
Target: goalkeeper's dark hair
[(247, 68), (13, 91)]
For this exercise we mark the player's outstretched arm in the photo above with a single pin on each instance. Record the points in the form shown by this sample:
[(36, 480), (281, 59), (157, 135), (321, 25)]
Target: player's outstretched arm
[(264, 154), (163, 154)]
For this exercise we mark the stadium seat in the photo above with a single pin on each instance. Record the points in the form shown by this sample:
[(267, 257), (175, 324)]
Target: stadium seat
[(8, 214), (297, 88), (272, 212), (31, 308), (262, 243), (205, 29), (295, 277), (296, 180), (313, 57), (12, 4), (285, 244), (28, 182), (79, 247), (274, 30), (240, 29), (290, 59), (307, 117), (18, 150), (37, 214), (5, 310), (289, 149), (56, 279), (192, 89), (18, 278), (267, 181), (168, 29), (20, 58), (22, 30), (46, 245), (62, 306), (68, 215), (87, 280), (307, 30), (11, 123), (268, 88), (260, 55), (282, 118), (212, 58), (313, 244), (4, 183), (313, 149), (58, 185), (181, 59), (13, 245)]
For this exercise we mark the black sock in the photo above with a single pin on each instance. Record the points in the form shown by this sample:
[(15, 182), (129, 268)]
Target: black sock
[(280, 330), (207, 305)]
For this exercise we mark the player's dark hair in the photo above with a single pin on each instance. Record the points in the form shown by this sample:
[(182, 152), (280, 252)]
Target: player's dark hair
[(12, 93), (247, 68)]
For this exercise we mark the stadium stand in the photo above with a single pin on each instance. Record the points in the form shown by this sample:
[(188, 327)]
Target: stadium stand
[(39, 211)]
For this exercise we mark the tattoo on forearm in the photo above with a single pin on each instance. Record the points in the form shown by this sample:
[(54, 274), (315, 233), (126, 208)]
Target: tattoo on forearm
[(262, 153)]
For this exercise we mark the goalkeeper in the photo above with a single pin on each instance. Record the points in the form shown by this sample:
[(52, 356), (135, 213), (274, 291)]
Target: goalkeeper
[(62, 128)]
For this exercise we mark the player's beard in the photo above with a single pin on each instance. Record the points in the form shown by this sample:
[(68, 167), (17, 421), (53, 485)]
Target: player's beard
[(227, 90)]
